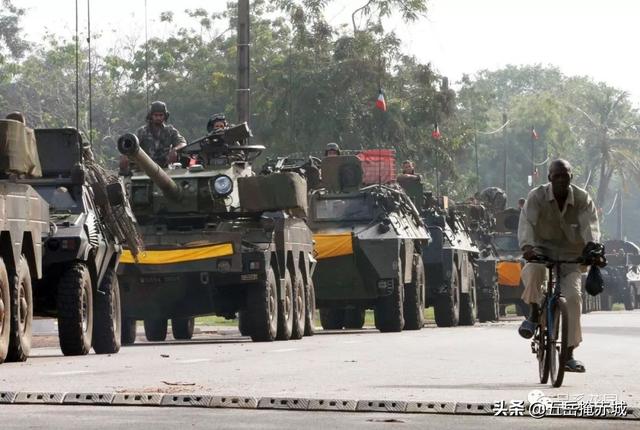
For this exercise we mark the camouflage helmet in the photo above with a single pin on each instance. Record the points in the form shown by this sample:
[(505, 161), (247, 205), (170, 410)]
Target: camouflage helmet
[(332, 147), (156, 107), (218, 117)]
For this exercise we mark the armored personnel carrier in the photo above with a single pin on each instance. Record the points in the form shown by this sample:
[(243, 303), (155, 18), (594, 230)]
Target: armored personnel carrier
[(621, 276), (82, 247), (369, 240), (219, 240), (24, 218)]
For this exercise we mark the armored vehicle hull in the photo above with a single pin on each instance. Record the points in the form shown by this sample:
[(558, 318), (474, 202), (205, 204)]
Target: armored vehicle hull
[(621, 276)]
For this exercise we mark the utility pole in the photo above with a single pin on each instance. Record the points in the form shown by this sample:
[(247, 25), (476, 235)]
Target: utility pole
[(243, 92), (619, 232), (506, 155)]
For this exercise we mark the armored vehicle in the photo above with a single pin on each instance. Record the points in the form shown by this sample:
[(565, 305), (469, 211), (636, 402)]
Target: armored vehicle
[(369, 238), (219, 240), (24, 217), (82, 246), (621, 276)]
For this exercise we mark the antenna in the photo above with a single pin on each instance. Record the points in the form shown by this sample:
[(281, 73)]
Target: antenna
[(77, 72), (89, 59), (146, 52)]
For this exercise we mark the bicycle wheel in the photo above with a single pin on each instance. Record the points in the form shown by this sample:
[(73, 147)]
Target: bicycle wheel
[(557, 347), (541, 353)]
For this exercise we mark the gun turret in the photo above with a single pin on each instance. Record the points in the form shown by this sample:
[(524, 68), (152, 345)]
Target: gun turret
[(128, 145)]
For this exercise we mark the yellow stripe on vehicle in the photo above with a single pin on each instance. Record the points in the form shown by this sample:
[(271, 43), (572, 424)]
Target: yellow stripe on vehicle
[(183, 255), (509, 273), (332, 245)]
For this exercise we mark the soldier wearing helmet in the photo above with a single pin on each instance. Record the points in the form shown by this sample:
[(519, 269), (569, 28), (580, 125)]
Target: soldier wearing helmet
[(159, 139), (332, 150), (217, 122)]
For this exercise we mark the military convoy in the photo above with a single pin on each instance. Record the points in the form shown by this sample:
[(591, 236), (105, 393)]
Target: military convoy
[(219, 240), (368, 241), (621, 276)]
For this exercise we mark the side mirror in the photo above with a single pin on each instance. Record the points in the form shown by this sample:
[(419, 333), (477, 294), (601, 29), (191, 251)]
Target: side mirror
[(115, 194)]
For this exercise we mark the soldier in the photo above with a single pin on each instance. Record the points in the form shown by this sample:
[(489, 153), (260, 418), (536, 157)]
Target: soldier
[(159, 139), (332, 150), (559, 230), (217, 122)]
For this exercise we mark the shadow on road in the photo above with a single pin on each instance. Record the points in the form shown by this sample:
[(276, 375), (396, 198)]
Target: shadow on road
[(497, 386)]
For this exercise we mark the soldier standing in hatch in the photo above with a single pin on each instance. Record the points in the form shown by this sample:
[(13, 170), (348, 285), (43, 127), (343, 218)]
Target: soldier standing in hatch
[(332, 150), (159, 139)]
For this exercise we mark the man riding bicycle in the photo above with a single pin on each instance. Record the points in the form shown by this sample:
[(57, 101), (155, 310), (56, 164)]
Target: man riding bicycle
[(557, 221)]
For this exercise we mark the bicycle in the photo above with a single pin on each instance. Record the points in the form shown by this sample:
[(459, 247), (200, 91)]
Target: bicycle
[(550, 339)]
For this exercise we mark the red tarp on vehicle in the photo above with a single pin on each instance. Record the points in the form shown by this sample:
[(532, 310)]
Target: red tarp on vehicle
[(378, 166)]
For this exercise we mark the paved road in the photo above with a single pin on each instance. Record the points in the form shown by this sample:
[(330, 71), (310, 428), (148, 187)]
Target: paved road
[(484, 363)]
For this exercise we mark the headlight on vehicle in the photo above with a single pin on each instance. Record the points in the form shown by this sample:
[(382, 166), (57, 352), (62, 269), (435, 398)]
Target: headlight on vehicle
[(223, 185)]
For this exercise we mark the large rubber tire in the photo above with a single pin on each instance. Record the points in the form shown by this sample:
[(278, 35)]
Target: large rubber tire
[(107, 324), (310, 309), (21, 312), (389, 311), (299, 308), (354, 318), (541, 353), (489, 307), (332, 319), (244, 324), (262, 309), (415, 296), (285, 309), (155, 329), (468, 304), (447, 306), (5, 314), (182, 328), (558, 358), (75, 310), (128, 335), (630, 300)]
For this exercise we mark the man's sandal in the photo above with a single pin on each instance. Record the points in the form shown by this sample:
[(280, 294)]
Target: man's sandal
[(574, 365)]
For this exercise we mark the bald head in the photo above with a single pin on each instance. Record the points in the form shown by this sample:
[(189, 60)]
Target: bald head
[(560, 177), (560, 165)]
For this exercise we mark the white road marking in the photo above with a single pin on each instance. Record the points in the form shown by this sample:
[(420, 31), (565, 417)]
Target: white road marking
[(285, 350), (71, 372)]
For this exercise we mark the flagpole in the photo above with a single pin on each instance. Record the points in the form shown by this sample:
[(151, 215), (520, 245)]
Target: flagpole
[(533, 160), (475, 144), (435, 141)]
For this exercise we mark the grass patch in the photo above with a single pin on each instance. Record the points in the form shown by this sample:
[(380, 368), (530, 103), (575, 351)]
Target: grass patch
[(617, 307)]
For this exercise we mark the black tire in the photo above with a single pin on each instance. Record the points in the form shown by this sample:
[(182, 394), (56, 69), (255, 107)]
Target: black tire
[(244, 324), (182, 328), (503, 310), (155, 329), (468, 305), (21, 312), (522, 309), (557, 347), (107, 324), (332, 319), (541, 354), (75, 310), (5, 314), (310, 309), (389, 311), (446, 310), (299, 308), (354, 318), (285, 309), (489, 307), (606, 302), (630, 299), (262, 309), (415, 296), (128, 328)]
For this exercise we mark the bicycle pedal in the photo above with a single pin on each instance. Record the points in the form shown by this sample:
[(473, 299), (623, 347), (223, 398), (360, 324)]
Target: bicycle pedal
[(534, 349)]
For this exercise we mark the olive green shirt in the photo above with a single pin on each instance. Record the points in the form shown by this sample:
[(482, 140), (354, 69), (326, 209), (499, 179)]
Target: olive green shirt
[(157, 141), (555, 233)]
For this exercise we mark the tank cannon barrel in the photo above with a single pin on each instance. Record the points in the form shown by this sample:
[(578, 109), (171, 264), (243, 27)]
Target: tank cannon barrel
[(129, 146)]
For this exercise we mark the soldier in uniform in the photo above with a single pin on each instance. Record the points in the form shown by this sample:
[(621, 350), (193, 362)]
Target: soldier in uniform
[(159, 139), (558, 220), (217, 122), (332, 150)]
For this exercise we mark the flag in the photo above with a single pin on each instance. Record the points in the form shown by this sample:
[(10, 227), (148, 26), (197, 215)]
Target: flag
[(380, 103), (436, 132), (534, 135)]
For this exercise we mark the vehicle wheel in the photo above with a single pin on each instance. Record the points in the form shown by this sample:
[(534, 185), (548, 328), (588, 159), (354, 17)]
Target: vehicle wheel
[(107, 321), (503, 310), (630, 300), (128, 336), (285, 309), (415, 297), (447, 306), (299, 308), (557, 347), (182, 328), (5, 314), (468, 309), (389, 311), (75, 310), (606, 302), (541, 353), (332, 319), (243, 323), (155, 329), (489, 307), (262, 309), (310, 309), (354, 318)]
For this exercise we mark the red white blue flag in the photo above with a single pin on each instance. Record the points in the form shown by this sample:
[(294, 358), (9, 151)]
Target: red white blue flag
[(380, 102)]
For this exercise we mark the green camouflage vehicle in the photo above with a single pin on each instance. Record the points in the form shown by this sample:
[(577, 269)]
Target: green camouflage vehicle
[(219, 241), (621, 276), (368, 242)]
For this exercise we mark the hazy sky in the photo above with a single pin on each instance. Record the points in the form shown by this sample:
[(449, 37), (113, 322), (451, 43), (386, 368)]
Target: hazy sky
[(586, 37)]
